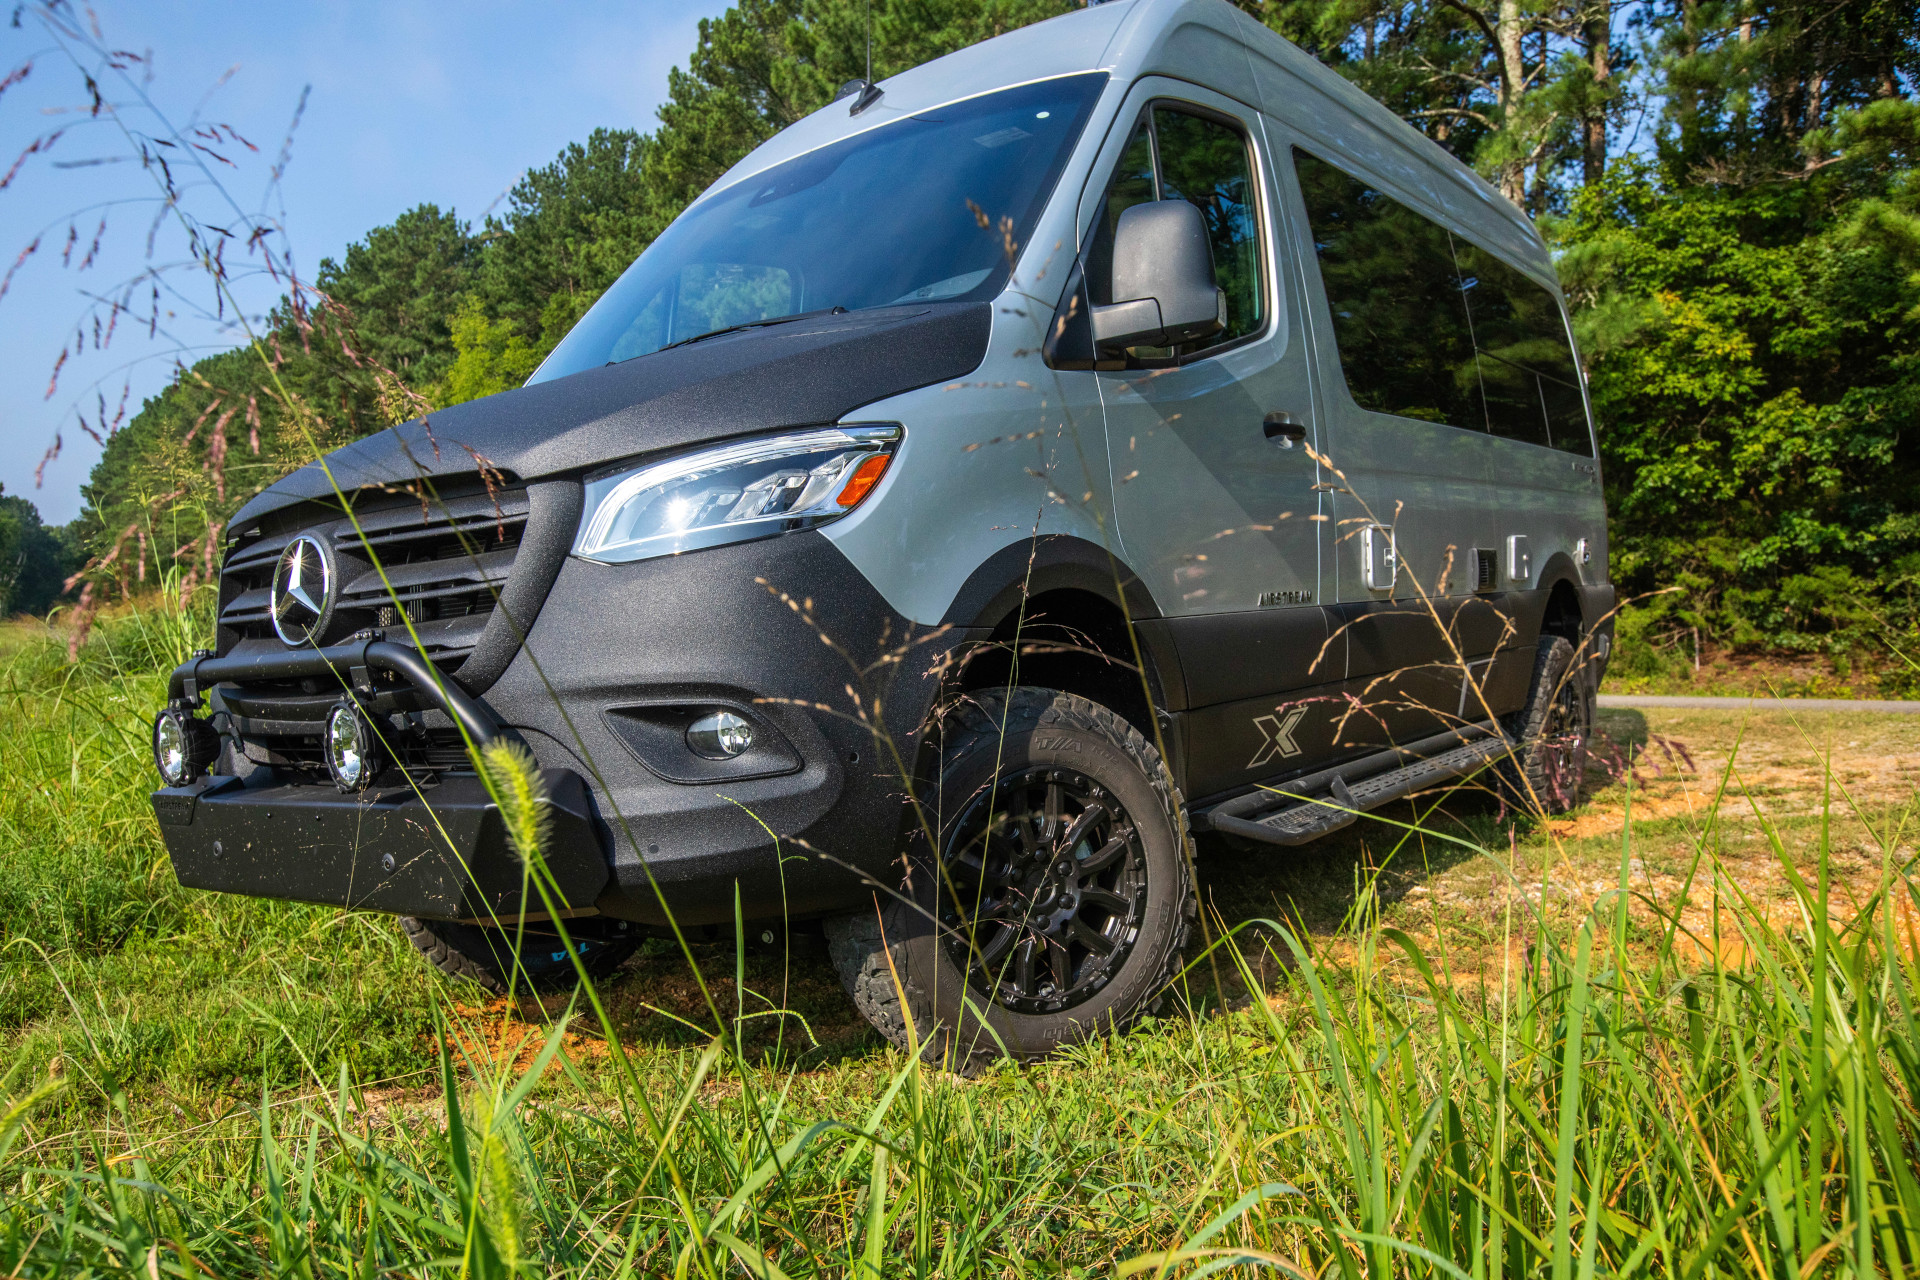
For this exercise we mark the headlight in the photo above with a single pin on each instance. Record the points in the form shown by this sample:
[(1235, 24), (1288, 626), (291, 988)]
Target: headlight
[(739, 491)]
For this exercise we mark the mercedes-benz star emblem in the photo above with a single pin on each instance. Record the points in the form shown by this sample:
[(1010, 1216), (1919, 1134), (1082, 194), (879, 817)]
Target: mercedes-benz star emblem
[(302, 591)]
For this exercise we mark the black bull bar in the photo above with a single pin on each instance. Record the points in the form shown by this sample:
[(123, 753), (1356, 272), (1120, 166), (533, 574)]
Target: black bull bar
[(436, 849), (354, 661)]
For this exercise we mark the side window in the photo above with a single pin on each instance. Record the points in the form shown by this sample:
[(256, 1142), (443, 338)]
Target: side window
[(1178, 155), (1399, 321), (1526, 363), (1434, 327)]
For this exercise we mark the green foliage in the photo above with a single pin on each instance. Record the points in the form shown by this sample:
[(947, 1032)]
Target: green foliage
[(400, 287), (1754, 373), (570, 229), (490, 356), (34, 560)]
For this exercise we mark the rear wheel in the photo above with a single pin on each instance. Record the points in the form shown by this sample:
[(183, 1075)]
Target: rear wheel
[(1052, 904), (1550, 733), (491, 956)]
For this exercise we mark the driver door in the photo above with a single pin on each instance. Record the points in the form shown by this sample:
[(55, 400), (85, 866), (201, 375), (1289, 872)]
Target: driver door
[(1215, 495)]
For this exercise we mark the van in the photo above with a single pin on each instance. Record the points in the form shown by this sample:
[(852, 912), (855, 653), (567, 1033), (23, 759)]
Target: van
[(1119, 429)]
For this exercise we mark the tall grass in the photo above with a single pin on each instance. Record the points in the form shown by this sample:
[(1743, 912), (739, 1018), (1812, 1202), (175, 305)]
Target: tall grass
[(1621, 1090)]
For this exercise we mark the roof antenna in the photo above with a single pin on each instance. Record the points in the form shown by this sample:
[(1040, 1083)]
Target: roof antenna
[(864, 92)]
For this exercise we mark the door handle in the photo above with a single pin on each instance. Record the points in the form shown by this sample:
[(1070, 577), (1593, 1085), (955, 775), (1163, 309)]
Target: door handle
[(1284, 430)]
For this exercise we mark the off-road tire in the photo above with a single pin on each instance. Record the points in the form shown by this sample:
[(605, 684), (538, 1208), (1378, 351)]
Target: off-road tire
[(899, 964), (1550, 733), (486, 955)]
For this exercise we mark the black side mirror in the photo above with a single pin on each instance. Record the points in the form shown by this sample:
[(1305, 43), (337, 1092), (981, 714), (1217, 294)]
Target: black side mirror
[(1162, 280)]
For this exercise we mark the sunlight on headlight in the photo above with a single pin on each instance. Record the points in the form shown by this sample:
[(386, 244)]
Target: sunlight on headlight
[(733, 493)]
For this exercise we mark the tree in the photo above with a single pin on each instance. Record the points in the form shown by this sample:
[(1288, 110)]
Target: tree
[(569, 231), (400, 287), (1750, 303), (34, 559)]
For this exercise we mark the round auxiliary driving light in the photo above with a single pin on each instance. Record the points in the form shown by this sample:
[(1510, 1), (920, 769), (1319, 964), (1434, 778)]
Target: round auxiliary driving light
[(720, 735), (353, 752), (183, 748)]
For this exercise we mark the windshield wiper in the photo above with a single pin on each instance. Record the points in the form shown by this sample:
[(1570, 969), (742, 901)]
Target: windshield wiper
[(751, 324)]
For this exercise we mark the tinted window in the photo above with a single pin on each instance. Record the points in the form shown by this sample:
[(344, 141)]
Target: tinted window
[(1434, 327), (1398, 318), (1526, 364), (907, 212), (1176, 155)]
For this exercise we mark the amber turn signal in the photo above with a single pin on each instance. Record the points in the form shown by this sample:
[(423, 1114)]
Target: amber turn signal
[(864, 477)]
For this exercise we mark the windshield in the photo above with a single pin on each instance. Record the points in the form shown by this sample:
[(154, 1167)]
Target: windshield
[(919, 210)]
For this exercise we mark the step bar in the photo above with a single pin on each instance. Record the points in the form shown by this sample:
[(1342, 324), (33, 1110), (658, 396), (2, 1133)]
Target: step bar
[(1304, 809)]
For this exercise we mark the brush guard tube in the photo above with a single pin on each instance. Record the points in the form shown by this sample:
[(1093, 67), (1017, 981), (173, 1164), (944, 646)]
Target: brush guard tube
[(353, 663)]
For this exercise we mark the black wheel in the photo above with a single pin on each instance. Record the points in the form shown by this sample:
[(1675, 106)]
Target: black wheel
[(1550, 733), (1058, 900), (487, 955)]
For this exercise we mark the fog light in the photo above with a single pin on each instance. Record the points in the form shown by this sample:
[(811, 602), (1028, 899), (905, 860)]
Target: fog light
[(719, 736), (353, 752), (183, 748)]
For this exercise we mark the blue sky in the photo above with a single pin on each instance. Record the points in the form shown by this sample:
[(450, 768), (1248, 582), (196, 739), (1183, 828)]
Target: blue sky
[(410, 102)]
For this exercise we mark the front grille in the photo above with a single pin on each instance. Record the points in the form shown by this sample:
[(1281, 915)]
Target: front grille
[(439, 564), (296, 745)]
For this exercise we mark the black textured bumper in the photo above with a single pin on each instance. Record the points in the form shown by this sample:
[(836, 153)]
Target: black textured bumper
[(791, 830), (441, 853)]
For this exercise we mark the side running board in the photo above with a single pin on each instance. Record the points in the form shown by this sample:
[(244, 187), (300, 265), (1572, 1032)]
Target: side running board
[(1304, 809)]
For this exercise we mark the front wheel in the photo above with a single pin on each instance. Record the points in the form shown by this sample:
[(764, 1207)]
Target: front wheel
[(1052, 901)]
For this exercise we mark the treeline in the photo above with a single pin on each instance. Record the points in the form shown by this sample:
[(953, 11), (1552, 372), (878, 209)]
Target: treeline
[(1730, 185)]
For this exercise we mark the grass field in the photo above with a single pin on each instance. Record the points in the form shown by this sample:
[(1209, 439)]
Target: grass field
[(1671, 1034)]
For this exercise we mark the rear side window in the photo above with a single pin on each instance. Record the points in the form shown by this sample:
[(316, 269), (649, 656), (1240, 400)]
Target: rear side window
[(1178, 155), (1526, 365), (1434, 327)]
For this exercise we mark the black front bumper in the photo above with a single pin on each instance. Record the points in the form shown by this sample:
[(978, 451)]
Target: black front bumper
[(615, 644), (440, 852)]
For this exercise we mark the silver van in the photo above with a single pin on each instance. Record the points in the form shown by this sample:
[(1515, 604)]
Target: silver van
[(1120, 428)]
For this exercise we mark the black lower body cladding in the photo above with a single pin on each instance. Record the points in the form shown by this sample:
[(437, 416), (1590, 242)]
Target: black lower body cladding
[(777, 631)]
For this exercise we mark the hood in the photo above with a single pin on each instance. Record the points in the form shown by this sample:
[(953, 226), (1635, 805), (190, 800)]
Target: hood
[(802, 373)]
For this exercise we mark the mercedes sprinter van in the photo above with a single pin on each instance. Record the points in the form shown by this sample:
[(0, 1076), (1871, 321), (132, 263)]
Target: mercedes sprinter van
[(1119, 428)]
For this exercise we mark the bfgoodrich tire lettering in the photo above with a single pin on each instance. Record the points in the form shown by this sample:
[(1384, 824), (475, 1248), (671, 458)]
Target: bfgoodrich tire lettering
[(487, 956), (1062, 835)]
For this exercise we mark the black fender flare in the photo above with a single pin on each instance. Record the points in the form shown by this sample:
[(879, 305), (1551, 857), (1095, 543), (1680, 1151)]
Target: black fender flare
[(1031, 567), (993, 592)]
